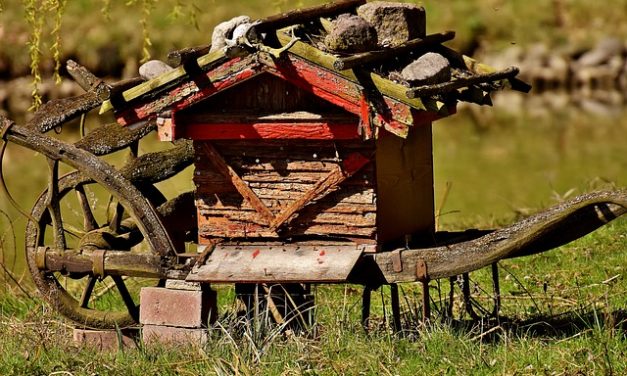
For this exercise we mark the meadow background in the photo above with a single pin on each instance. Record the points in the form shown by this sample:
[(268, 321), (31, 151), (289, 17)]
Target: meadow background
[(567, 307)]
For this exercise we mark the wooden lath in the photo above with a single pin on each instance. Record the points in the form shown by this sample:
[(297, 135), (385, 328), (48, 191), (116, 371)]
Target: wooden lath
[(240, 185), (353, 163)]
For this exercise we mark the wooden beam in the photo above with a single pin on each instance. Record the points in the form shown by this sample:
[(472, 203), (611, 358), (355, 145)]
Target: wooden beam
[(187, 93), (240, 185), (390, 89), (167, 80), (299, 16), (336, 88), (356, 60), (279, 263), (445, 87)]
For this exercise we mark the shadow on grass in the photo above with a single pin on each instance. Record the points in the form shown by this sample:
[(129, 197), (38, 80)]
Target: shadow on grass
[(559, 327)]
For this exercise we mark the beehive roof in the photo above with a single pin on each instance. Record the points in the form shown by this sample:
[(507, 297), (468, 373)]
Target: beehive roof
[(368, 83)]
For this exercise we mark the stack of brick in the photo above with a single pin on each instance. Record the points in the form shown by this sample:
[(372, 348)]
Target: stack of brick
[(179, 313)]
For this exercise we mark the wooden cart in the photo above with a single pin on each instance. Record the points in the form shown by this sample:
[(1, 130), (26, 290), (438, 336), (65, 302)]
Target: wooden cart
[(309, 168)]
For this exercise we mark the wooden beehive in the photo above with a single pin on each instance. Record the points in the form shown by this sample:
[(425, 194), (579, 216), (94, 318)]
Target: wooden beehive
[(274, 161)]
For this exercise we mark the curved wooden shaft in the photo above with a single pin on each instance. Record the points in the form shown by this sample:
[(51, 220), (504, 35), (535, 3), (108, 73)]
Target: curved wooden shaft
[(548, 229)]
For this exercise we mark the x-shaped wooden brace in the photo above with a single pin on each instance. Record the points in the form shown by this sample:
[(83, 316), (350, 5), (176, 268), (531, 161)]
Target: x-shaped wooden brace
[(349, 166)]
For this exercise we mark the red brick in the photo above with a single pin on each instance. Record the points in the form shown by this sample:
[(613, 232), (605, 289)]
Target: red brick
[(180, 308), (170, 335), (105, 339)]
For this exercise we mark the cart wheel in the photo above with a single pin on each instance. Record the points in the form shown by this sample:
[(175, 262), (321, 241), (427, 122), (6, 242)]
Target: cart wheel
[(89, 219), (99, 206)]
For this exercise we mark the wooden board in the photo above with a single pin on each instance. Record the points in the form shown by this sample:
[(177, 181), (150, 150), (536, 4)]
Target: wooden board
[(280, 176), (286, 263)]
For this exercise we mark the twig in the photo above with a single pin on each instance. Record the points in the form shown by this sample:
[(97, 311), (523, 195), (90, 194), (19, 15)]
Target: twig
[(19, 286), (483, 334)]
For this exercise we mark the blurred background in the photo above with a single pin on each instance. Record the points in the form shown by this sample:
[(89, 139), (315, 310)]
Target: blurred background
[(492, 165)]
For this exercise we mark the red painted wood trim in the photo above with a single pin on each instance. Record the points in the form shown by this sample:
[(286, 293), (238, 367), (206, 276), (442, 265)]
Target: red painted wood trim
[(189, 92), (269, 131), (395, 116)]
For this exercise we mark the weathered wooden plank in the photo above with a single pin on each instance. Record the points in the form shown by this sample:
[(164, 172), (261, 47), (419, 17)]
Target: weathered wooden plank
[(386, 87), (227, 229), (266, 98), (303, 219), (293, 179), (445, 87), (329, 152), (167, 79), (359, 196), (288, 263), (338, 208), (248, 115), (214, 186), (349, 166), (392, 114), (186, 93), (293, 146), (298, 16)]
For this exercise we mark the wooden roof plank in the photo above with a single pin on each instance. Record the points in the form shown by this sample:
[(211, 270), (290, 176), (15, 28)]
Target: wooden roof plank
[(383, 85), (165, 80)]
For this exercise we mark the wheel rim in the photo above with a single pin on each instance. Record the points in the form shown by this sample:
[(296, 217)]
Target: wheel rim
[(87, 300)]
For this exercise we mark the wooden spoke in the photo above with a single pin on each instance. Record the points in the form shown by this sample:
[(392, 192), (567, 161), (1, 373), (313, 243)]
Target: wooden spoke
[(91, 282), (52, 203), (126, 296), (117, 216), (89, 221)]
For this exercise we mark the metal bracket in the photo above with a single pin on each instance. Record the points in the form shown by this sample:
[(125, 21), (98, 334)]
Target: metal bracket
[(397, 262), (422, 272), (98, 263), (40, 257)]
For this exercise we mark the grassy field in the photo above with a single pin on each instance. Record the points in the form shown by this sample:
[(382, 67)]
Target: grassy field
[(565, 309), (585, 341)]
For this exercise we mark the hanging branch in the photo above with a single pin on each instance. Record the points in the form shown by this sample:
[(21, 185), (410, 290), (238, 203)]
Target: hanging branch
[(58, 6), (34, 17)]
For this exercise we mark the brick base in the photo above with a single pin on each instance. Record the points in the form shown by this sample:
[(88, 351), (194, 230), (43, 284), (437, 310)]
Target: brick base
[(106, 340), (180, 308), (152, 334), (177, 314)]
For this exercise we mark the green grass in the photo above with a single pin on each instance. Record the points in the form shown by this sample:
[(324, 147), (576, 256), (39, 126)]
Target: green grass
[(559, 303)]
